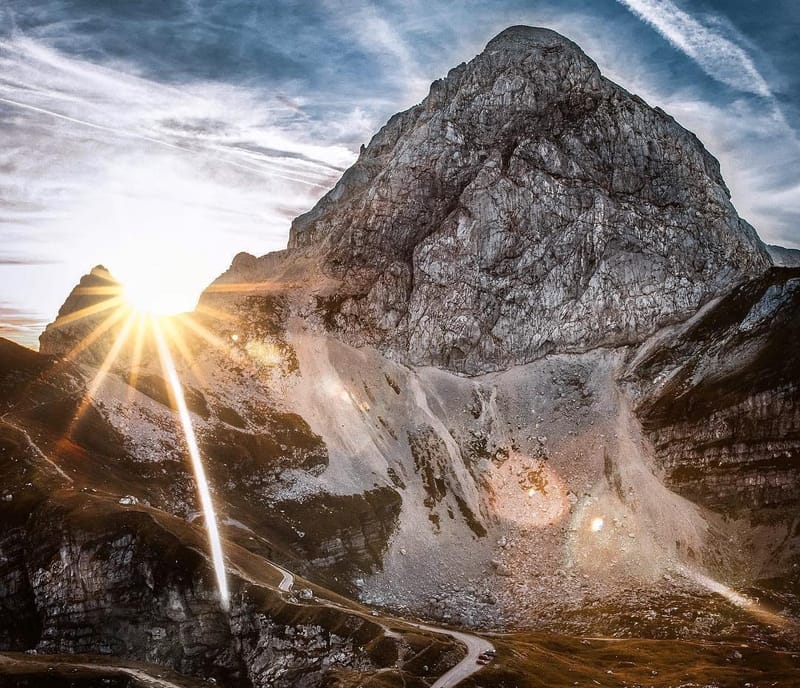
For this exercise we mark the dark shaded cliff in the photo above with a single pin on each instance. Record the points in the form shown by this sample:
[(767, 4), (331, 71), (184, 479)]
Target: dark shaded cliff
[(720, 399)]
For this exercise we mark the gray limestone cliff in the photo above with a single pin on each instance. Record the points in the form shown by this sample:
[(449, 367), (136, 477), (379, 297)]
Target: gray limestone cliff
[(528, 205), (718, 398)]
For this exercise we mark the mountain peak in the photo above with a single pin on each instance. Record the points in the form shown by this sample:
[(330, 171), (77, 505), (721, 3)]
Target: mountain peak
[(524, 38), (81, 312), (93, 288), (102, 272), (527, 206)]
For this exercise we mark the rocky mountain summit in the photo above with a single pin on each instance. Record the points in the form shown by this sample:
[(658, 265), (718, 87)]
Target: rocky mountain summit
[(527, 206), (523, 369), (87, 306)]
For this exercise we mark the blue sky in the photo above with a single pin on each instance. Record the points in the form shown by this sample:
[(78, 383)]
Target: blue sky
[(161, 137)]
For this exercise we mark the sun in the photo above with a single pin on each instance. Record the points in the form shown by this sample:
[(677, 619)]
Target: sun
[(147, 294), (139, 310)]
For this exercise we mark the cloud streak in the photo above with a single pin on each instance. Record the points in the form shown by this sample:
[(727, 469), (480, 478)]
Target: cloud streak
[(24, 260), (373, 30), (717, 55), (20, 325)]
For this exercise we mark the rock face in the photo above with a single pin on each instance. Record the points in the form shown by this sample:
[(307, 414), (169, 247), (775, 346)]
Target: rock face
[(87, 307), (80, 579), (784, 257), (528, 205), (534, 226), (719, 399)]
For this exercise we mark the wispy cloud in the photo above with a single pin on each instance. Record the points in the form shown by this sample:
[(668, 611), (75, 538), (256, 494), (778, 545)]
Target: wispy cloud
[(20, 325), (379, 34), (114, 168), (185, 132), (24, 260), (718, 55)]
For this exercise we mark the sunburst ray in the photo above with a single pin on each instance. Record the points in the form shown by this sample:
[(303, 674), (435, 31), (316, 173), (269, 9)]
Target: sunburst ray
[(176, 337), (142, 324), (89, 311), (216, 313), (206, 502), (97, 332), (102, 372), (216, 341)]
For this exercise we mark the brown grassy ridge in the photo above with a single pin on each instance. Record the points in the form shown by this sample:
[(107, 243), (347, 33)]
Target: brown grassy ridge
[(537, 660)]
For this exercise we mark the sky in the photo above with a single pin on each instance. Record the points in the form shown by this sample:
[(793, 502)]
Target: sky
[(161, 137)]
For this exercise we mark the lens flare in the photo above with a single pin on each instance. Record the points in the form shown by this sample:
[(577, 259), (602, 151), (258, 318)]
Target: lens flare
[(743, 601), (206, 502), (264, 353), (115, 312), (597, 525)]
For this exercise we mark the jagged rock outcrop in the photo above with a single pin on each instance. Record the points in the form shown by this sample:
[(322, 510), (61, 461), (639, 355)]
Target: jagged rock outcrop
[(88, 313), (80, 577), (784, 257), (527, 205), (720, 399)]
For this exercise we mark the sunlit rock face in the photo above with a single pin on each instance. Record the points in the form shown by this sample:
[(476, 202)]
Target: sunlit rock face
[(89, 306), (533, 226), (528, 205)]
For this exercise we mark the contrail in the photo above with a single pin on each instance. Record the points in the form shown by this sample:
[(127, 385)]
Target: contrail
[(150, 139), (717, 55), (93, 125)]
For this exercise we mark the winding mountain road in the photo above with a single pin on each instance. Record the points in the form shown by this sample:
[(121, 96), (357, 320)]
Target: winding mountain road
[(50, 661), (145, 678), (287, 582), (465, 668)]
